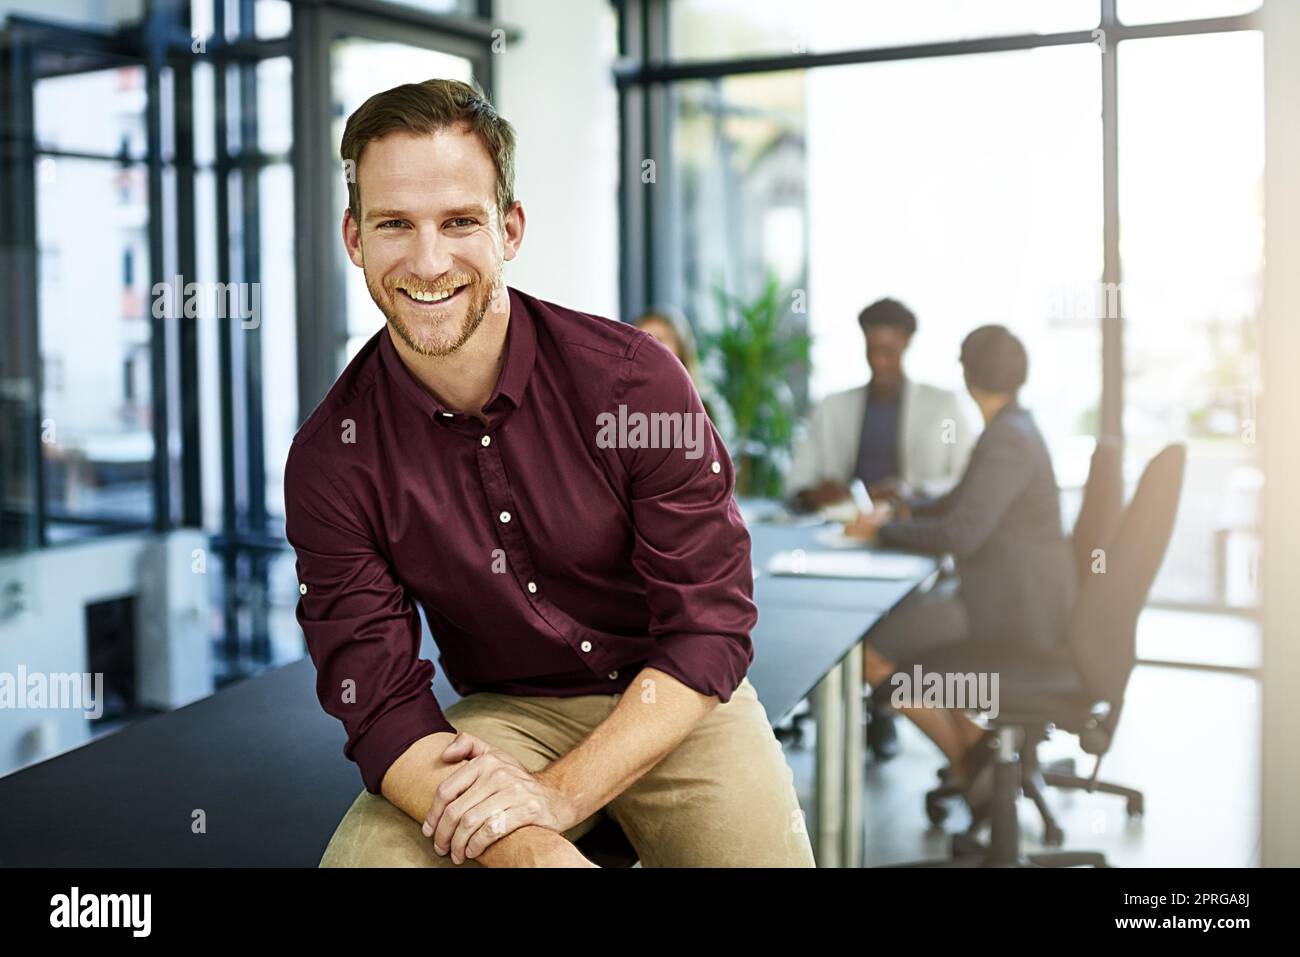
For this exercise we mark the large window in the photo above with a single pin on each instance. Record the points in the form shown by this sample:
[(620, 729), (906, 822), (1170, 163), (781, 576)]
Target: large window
[(1191, 178), (715, 29), (92, 219), (210, 168), (1088, 173)]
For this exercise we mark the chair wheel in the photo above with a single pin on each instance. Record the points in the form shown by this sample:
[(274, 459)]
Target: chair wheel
[(1053, 835), (936, 810), (1136, 806)]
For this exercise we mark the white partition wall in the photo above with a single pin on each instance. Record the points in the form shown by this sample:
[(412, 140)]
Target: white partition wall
[(1280, 838)]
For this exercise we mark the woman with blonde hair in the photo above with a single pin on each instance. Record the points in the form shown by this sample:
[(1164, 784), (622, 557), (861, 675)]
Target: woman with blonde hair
[(670, 326)]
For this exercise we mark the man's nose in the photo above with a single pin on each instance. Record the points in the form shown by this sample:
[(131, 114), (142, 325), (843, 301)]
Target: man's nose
[(432, 254)]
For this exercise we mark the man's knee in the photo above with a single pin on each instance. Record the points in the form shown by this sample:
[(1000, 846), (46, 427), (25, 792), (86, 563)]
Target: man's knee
[(375, 833), (724, 797)]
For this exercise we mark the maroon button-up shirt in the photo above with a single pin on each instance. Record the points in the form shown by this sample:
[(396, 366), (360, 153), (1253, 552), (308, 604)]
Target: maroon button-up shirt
[(555, 551)]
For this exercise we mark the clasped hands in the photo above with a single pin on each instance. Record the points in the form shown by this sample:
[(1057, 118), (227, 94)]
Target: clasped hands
[(489, 796)]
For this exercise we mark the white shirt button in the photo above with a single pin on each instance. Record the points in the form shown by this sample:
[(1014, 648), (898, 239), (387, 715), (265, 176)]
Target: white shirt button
[(586, 646), (302, 589), (532, 588), (486, 440), (716, 468), (613, 675), (504, 516)]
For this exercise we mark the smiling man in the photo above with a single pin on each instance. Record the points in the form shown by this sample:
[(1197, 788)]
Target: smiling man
[(591, 601)]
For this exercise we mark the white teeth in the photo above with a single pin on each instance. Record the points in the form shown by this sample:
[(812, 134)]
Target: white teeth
[(429, 296)]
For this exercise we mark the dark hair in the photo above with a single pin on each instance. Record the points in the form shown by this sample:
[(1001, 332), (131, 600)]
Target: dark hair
[(888, 312), (430, 107), (994, 360)]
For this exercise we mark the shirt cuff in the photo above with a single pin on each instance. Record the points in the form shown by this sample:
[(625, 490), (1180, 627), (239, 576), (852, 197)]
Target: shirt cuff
[(709, 664), (392, 733)]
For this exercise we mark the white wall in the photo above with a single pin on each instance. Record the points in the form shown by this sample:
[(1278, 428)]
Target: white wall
[(1280, 340), (555, 87), (50, 634)]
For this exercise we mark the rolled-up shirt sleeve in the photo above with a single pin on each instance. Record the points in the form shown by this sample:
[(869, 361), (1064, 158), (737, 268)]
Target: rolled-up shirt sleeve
[(690, 543), (362, 629)]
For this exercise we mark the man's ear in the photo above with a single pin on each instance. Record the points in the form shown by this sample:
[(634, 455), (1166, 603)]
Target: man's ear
[(512, 230), (352, 238)]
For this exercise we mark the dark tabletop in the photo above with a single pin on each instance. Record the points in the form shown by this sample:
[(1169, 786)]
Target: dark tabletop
[(264, 764)]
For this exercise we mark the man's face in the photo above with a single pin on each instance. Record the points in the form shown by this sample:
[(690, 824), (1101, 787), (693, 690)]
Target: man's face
[(885, 347), (431, 239)]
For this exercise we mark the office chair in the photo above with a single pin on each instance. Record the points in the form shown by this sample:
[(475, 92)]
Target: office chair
[(1099, 512), (1077, 686)]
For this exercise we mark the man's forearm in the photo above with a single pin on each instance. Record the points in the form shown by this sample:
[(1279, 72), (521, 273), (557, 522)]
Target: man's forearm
[(654, 715), (409, 785)]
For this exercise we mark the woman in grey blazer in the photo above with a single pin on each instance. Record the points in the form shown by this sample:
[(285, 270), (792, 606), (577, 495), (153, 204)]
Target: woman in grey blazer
[(1002, 525)]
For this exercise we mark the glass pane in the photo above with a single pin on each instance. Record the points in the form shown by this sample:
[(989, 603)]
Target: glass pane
[(1191, 154), (278, 328), (709, 29), (114, 127), (967, 187), (1161, 11), (274, 106), (204, 107), (361, 68), (116, 14), (273, 18), (93, 296), (462, 8)]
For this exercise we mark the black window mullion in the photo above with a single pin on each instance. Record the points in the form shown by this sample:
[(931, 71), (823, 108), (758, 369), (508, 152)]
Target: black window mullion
[(18, 279), (187, 332)]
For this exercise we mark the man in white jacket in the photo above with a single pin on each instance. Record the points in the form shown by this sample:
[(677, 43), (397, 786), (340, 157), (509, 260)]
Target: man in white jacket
[(902, 438)]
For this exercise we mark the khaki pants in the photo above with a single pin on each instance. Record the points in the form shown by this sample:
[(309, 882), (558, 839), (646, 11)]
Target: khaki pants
[(724, 797)]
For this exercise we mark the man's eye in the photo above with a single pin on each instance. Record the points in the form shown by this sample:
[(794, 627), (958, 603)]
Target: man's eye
[(460, 222), (390, 222)]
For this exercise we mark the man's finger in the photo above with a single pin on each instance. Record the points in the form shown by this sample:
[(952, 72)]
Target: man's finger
[(485, 817), (451, 788), (464, 746), (502, 819), (451, 823)]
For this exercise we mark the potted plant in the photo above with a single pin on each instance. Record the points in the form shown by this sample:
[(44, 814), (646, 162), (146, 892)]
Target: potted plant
[(754, 351)]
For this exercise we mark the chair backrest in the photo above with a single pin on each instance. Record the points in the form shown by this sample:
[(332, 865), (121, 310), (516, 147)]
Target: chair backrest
[(1103, 501), (1102, 630)]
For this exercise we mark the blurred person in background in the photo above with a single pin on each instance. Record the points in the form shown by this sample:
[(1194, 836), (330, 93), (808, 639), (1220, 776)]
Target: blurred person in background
[(1002, 524), (899, 436), (670, 326)]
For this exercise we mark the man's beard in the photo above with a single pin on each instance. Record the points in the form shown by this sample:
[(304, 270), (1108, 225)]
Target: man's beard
[(436, 341)]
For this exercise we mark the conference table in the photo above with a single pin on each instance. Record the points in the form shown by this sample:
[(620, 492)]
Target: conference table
[(254, 774), (810, 633)]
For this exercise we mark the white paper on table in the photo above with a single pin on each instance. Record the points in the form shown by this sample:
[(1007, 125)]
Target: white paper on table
[(890, 566)]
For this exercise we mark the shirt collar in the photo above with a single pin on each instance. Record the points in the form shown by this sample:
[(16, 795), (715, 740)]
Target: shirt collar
[(512, 382)]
